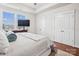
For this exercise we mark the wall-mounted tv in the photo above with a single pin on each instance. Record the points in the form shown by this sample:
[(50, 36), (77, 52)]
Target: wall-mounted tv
[(23, 22)]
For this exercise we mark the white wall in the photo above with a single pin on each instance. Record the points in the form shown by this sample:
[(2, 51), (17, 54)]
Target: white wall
[(30, 16)]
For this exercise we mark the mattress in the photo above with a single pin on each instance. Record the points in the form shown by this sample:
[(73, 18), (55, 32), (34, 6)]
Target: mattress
[(25, 46)]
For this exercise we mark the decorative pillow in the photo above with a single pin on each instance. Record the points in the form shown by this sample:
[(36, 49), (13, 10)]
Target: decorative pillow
[(4, 44), (12, 37)]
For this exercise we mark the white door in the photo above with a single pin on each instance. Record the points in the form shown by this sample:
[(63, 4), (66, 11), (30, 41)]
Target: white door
[(69, 28), (64, 28), (59, 30), (77, 29)]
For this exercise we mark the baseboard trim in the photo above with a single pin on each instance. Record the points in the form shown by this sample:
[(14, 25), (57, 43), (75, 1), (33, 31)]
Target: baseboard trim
[(67, 48)]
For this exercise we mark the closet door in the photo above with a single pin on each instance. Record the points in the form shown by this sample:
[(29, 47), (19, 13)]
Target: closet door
[(69, 28), (77, 29), (59, 29), (64, 28)]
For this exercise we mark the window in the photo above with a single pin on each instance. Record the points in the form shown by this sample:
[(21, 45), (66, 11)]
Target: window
[(8, 20), (21, 17)]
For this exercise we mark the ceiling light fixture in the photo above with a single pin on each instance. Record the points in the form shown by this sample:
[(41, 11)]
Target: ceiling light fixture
[(35, 3)]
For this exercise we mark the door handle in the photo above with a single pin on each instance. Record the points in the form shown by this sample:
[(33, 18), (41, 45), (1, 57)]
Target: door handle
[(62, 30)]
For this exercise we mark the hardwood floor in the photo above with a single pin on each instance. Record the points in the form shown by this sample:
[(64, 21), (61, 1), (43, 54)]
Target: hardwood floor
[(60, 53)]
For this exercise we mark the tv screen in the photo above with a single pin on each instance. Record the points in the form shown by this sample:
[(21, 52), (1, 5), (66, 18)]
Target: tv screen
[(23, 22)]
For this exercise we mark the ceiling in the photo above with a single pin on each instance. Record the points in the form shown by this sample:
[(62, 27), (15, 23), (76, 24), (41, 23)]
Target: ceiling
[(30, 7), (37, 6)]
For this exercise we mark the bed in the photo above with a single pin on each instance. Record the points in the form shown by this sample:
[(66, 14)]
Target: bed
[(29, 44)]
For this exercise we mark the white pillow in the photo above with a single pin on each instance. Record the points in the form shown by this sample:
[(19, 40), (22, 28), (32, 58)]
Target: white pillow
[(9, 32), (4, 44)]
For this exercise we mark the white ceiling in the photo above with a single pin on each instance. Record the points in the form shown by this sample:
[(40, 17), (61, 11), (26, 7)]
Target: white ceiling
[(30, 7), (37, 6)]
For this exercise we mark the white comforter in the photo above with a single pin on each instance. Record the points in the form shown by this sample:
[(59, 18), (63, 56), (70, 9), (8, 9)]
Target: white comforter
[(24, 46), (33, 36)]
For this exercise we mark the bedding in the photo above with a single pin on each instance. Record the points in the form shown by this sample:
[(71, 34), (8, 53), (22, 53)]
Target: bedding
[(33, 36), (9, 32), (25, 46), (4, 44)]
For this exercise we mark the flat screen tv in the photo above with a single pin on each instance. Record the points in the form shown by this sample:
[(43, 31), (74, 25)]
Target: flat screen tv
[(23, 22)]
